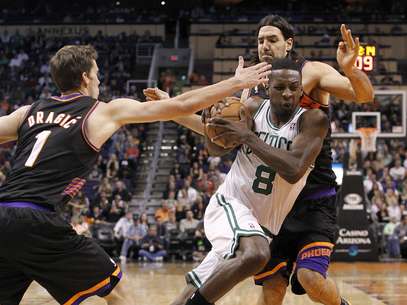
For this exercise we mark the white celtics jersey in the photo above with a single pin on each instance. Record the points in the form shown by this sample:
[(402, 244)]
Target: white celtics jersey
[(257, 185)]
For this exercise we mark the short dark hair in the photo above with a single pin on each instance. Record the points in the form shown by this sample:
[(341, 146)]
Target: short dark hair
[(286, 63), (68, 64), (279, 22)]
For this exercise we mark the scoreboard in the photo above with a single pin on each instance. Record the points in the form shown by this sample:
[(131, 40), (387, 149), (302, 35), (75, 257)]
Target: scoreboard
[(366, 60)]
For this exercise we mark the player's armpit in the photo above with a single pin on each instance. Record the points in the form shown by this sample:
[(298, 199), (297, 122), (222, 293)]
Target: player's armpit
[(9, 124), (354, 87)]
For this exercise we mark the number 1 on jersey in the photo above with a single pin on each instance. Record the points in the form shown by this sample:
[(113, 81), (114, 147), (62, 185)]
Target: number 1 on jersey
[(39, 144)]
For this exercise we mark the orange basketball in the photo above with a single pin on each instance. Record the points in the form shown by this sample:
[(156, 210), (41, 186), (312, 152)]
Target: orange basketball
[(230, 112)]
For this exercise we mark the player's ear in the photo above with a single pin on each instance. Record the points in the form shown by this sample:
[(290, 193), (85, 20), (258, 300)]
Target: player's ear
[(289, 44), (85, 78)]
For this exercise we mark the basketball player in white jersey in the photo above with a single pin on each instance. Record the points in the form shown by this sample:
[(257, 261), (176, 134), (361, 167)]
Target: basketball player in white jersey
[(275, 38), (269, 172)]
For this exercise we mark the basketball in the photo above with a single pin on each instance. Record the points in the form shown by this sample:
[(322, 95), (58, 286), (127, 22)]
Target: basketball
[(230, 112)]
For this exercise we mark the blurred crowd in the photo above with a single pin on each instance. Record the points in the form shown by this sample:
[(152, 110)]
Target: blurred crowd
[(25, 73), (389, 108), (122, 11), (385, 184)]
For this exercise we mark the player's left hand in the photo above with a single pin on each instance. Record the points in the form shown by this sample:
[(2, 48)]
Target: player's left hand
[(155, 94), (348, 50), (236, 132)]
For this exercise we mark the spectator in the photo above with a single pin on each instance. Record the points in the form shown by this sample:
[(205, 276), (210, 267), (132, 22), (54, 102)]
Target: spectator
[(392, 239), (120, 189), (95, 216), (394, 211), (112, 166), (198, 208), (188, 223), (135, 233), (370, 181), (201, 244), (383, 214), (114, 213), (162, 214), (180, 210), (80, 226), (123, 225), (398, 172), (171, 224), (402, 233), (144, 219), (152, 246), (119, 204), (188, 193), (404, 193), (392, 201)]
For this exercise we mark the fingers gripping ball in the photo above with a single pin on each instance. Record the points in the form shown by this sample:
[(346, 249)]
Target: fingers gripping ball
[(231, 110)]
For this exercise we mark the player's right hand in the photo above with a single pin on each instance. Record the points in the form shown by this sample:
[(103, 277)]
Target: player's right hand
[(252, 76), (155, 94)]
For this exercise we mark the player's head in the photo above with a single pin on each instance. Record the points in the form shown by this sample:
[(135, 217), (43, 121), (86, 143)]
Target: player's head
[(275, 38), (74, 68), (285, 89)]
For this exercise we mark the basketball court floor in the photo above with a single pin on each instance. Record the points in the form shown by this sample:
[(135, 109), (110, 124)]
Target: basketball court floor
[(159, 283)]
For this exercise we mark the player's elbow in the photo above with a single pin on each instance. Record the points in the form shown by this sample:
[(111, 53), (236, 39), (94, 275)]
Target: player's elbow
[(292, 179), (293, 174)]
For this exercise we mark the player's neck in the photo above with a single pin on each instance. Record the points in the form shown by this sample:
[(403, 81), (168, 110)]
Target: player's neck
[(279, 117)]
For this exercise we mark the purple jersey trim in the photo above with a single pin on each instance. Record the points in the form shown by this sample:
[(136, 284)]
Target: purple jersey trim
[(24, 205), (321, 193)]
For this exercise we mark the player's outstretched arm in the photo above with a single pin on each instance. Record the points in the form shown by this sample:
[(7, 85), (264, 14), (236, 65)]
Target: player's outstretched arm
[(106, 119), (124, 111), (9, 124), (355, 85), (192, 121), (290, 165)]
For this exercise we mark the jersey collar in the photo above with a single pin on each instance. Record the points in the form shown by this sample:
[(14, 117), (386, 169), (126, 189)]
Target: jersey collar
[(66, 98)]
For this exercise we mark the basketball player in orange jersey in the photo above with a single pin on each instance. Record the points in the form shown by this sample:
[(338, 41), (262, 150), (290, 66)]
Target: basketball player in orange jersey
[(308, 244), (58, 142)]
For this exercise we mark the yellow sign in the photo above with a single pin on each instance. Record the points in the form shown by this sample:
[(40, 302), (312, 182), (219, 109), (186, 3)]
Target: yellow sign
[(366, 59), (367, 50)]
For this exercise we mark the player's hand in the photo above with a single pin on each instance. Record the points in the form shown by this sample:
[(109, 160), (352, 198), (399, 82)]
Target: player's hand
[(236, 132), (252, 76), (348, 50), (218, 107), (155, 94)]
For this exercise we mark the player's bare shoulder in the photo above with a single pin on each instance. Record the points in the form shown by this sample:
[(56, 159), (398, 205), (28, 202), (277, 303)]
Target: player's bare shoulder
[(100, 126), (253, 104), (315, 119), (315, 67)]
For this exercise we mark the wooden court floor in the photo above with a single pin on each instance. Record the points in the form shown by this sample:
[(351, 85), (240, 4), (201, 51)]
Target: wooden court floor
[(159, 283)]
